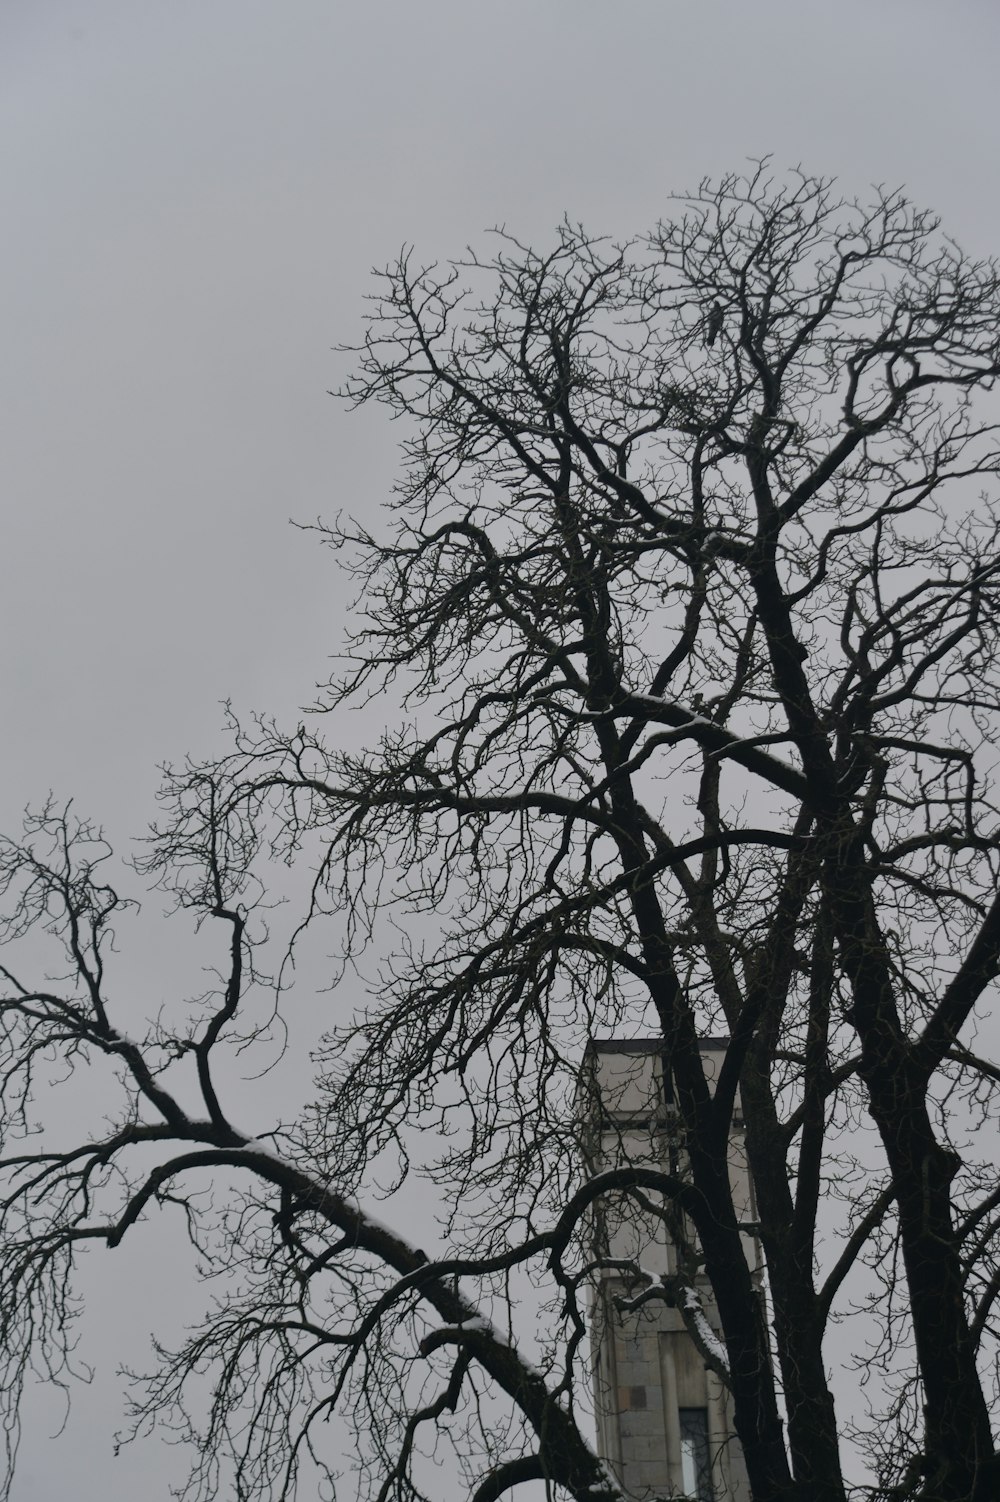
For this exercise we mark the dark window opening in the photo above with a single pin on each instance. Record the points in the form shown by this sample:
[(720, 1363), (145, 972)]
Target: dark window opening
[(668, 1081), (696, 1465)]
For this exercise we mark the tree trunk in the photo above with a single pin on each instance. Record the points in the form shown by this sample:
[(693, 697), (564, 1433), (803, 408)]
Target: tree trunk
[(958, 1440), (812, 1423)]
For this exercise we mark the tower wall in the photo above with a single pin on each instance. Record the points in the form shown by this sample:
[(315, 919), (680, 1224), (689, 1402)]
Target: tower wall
[(664, 1419)]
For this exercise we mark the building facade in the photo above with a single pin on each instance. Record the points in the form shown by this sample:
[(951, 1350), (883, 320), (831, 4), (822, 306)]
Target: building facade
[(664, 1417)]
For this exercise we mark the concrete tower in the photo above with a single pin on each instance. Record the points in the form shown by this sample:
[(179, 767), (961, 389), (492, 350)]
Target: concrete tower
[(664, 1418)]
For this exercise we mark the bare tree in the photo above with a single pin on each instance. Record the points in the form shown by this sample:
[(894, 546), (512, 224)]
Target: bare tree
[(686, 610)]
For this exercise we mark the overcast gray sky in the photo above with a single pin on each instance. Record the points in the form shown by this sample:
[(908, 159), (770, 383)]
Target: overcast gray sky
[(194, 193)]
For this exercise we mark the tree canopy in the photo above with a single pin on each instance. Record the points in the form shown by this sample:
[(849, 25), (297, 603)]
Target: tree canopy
[(684, 616)]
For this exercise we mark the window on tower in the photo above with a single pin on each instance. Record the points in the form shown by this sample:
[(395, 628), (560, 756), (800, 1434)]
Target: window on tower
[(696, 1465)]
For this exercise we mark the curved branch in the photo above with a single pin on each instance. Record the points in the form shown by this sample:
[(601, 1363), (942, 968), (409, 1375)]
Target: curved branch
[(510, 1473)]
